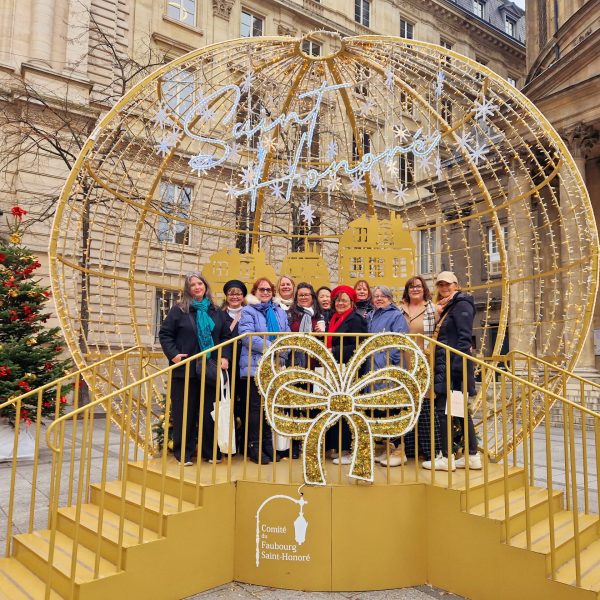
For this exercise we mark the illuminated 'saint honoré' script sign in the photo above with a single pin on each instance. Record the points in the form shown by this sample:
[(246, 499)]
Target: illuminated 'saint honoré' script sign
[(419, 145)]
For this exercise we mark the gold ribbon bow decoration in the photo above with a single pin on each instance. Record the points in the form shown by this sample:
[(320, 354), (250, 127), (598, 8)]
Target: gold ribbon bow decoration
[(303, 403)]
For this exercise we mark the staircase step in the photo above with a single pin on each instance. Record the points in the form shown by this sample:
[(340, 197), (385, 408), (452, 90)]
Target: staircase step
[(17, 582), (538, 507), (89, 527), (563, 534), (495, 485), (133, 502), (32, 549), (172, 483), (590, 569)]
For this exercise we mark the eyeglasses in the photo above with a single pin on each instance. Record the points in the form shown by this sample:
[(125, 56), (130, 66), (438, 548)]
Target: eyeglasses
[(235, 294), (415, 287), (265, 290)]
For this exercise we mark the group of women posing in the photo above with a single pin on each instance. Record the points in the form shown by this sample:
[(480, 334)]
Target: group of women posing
[(196, 324)]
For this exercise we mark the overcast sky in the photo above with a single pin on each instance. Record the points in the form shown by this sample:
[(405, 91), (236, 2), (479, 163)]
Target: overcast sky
[(520, 3)]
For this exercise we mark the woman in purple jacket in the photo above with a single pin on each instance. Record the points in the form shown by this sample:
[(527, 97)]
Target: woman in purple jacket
[(260, 316)]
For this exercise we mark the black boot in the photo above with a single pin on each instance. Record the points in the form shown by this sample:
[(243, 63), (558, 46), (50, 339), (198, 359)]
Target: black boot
[(253, 455)]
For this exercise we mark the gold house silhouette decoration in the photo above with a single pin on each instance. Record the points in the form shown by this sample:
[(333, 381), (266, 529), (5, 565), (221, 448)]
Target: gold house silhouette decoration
[(379, 250), (229, 263), (308, 265)]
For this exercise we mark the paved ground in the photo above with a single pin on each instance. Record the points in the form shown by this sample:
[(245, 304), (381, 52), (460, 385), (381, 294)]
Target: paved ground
[(243, 591)]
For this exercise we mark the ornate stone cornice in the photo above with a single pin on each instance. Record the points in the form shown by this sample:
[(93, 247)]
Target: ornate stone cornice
[(581, 139), (222, 8)]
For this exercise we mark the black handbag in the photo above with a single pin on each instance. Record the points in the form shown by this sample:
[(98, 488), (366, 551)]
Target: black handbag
[(212, 372)]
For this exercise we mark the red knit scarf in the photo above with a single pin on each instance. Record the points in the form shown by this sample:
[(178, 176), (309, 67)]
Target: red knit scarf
[(336, 320)]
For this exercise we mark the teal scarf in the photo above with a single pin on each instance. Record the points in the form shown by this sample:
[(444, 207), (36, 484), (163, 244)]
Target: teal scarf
[(204, 324)]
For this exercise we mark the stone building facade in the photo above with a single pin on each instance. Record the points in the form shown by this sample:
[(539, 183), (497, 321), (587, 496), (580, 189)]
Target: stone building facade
[(563, 80), (64, 64)]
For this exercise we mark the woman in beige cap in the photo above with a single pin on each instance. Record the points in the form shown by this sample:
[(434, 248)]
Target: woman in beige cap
[(455, 329)]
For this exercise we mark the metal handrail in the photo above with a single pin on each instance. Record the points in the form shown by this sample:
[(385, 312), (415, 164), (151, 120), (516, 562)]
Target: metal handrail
[(36, 391)]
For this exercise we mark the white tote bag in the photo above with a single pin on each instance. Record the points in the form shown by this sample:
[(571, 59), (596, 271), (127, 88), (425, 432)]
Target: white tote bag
[(226, 429)]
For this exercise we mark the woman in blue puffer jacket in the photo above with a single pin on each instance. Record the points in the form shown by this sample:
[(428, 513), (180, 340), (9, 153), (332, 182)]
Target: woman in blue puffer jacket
[(386, 317), (259, 316)]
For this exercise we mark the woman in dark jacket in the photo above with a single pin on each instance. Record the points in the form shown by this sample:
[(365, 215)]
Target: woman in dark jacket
[(235, 299), (324, 301), (364, 297), (192, 326), (304, 317), (455, 329), (344, 320)]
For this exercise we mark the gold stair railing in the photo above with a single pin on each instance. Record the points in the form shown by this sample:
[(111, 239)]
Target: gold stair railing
[(528, 480), (68, 386)]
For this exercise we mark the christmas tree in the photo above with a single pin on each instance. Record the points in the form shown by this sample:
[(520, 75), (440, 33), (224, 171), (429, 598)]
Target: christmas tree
[(29, 351)]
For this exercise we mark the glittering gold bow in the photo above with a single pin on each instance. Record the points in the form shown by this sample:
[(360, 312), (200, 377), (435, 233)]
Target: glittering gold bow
[(382, 403)]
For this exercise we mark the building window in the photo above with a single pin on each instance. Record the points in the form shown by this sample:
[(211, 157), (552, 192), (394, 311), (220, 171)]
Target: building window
[(427, 251), (163, 302), (175, 200), (406, 168), (311, 150), (357, 266), (178, 92), (360, 234), (251, 25), (447, 110), (406, 29), (479, 8), (399, 267), (406, 103), (249, 110), (494, 249), (183, 11), (311, 48), (362, 12), (448, 46), (512, 81), (376, 266), (362, 80), (365, 146), (510, 26), (479, 76)]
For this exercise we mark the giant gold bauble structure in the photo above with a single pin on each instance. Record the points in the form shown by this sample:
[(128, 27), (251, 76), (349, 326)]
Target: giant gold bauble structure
[(249, 154)]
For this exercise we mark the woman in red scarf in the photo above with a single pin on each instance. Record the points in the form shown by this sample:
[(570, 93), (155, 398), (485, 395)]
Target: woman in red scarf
[(345, 319)]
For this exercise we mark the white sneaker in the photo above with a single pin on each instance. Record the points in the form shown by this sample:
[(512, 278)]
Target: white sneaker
[(440, 463), (187, 463), (345, 459), (397, 458), (474, 462), (381, 457)]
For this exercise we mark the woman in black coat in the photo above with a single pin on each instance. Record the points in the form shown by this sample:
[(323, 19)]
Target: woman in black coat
[(456, 312), (194, 325), (344, 320)]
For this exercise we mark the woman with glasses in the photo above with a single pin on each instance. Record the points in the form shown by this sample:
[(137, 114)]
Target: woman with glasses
[(418, 308), (304, 317), (235, 299), (260, 316), (345, 319), (386, 316), (194, 324), (420, 315)]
